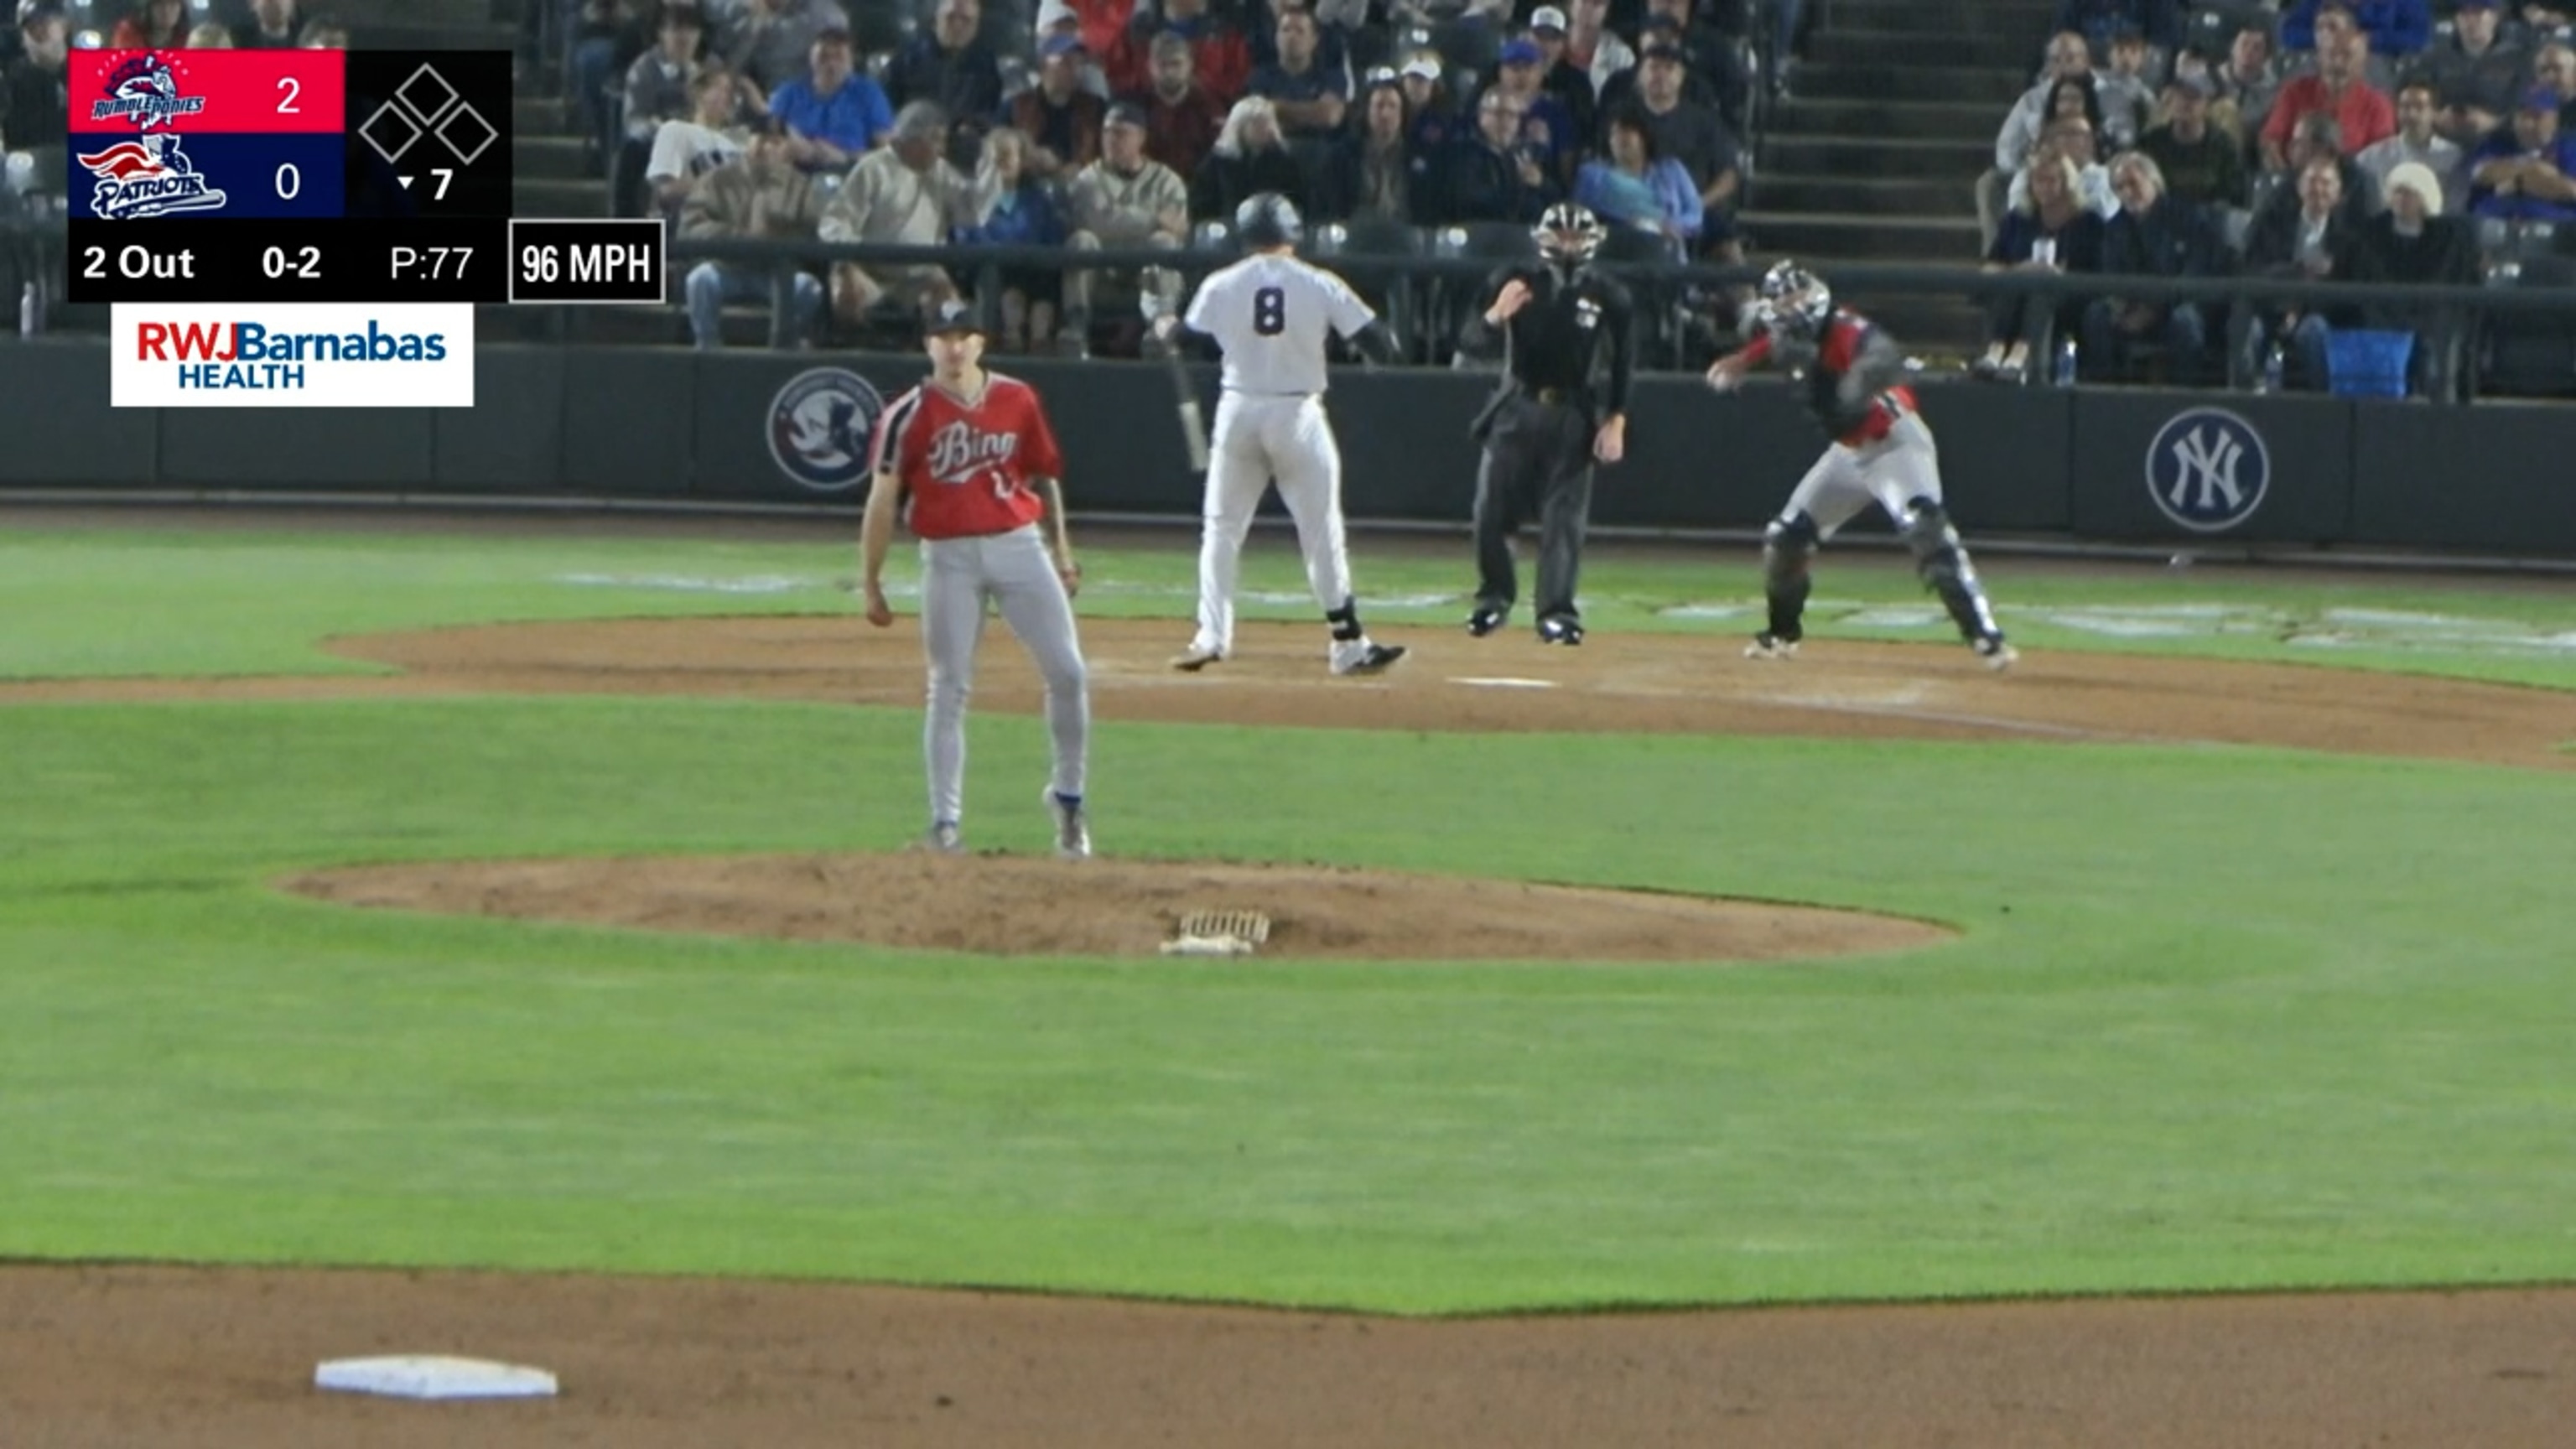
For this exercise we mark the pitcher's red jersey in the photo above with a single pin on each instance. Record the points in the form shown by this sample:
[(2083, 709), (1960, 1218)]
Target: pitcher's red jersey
[(968, 466)]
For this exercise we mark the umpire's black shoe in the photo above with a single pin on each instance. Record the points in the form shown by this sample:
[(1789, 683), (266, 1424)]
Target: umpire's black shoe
[(1559, 631), (1486, 621)]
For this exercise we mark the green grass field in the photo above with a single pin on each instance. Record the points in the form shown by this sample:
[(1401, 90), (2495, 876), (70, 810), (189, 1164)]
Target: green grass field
[(2218, 1017)]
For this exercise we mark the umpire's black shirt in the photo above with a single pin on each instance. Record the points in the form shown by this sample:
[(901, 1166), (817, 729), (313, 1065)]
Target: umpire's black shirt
[(1571, 343)]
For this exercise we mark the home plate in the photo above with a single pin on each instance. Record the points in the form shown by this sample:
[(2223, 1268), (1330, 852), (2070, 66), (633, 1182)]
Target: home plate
[(1497, 682), (433, 1376)]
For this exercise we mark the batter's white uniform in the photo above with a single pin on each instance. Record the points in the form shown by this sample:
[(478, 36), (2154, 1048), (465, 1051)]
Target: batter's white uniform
[(1273, 315)]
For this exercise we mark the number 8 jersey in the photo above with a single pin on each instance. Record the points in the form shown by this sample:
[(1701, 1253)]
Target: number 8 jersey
[(967, 464), (1271, 315)]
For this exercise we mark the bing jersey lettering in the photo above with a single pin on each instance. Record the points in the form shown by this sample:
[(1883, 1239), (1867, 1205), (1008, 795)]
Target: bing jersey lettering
[(967, 466)]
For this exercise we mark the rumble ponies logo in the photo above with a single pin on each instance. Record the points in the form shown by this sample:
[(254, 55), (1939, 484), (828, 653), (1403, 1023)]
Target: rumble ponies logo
[(145, 90)]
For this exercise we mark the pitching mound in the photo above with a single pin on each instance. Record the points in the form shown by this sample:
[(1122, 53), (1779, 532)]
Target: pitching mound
[(1023, 906)]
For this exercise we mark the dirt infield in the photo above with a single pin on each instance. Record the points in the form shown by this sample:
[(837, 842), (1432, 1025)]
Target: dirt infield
[(118, 1356)]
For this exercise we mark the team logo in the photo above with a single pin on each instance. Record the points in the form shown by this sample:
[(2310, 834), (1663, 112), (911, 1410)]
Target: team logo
[(143, 90), (819, 426), (147, 176), (2207, 470)]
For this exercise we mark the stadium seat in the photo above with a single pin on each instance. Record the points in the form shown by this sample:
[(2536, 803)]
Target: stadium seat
[(2529, 354), (1391, 290)]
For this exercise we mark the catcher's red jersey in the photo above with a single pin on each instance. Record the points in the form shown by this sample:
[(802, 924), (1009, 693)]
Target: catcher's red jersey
[(968, 465)]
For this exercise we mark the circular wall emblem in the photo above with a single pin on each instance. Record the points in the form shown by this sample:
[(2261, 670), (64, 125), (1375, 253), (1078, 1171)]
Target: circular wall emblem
[(819, 426), (2208, 469)]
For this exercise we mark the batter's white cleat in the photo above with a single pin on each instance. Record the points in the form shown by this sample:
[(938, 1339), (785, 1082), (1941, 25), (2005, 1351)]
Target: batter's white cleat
[(1072, 826), (1368, 658), (1767, 645), (942, 839), (1196, 657), (1999, 656)]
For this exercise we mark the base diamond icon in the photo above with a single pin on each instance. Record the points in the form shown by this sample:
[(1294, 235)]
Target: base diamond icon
[(427, 95), (466, 133), (390, 132)]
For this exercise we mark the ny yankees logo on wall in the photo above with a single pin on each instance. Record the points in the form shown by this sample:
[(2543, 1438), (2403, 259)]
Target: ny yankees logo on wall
[(2208, 469)]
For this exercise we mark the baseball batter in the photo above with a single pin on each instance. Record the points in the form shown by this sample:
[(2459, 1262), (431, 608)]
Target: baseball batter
[(1272, 315), (973, 451), (1881, 452)]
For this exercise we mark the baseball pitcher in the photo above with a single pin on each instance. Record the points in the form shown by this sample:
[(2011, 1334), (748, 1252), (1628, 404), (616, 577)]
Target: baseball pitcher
[(1272, 315), (975, 454)]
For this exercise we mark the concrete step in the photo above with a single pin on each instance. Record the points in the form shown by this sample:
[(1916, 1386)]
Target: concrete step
[(1844, 155), (1900, 47), (551, 158), (413, 32), (540, 116), (1863, 238), (1907, 196), (558, 198), (1998, 88), (1924, 120), (1921, 322), (2014, 20)]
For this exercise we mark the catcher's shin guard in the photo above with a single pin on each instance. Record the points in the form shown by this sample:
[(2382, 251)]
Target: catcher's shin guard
[(1787, 545), (1943, 564)]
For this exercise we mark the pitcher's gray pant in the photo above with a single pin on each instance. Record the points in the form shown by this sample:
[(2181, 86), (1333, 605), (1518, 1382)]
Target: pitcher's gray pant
[(1013, 569), (1538, 459)]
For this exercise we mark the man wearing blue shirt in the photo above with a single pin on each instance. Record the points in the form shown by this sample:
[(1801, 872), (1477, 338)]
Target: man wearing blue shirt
[(1310, 97), (834, 113), (2522, 172), (2395, 27)]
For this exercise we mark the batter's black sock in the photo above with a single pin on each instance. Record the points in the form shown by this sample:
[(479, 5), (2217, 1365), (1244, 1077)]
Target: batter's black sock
[(1788, 608), (1345, 621)]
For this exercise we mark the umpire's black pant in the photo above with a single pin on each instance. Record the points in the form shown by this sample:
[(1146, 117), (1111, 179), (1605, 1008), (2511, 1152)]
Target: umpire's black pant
[(1538, 459)]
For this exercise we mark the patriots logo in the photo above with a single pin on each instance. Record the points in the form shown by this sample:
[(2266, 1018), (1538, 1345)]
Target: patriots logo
[(148, 176), (145, 91)]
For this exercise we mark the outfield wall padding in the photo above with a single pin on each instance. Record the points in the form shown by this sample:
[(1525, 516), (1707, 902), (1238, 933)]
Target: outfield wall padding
[(2134, 466)]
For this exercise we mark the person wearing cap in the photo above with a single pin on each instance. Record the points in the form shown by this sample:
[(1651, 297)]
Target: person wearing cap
[(1250, 157), (772, 40), (1694, 135), (35, 89), (1435, 113), (2395, 27), (2418, 143), (1058, 17), (1060, 118), (973, 454), (1546, 126), (2413, 244), (1559, 78), (1125, 201), (2363, 113), (835, 113), (2202, 163), (2521, 173), (1181, 119), (759, 196), (1224, 61), (2477, 72), (2101, 22), (1717, 76), (949, 65), (905, 193), (1310, 98)]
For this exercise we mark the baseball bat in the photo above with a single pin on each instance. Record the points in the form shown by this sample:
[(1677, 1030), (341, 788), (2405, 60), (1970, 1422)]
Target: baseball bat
[(1185, 392)]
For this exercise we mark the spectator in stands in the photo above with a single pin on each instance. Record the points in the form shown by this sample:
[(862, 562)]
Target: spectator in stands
[(2201, 163), (2155, 235), (1593, 52), (834, 113), (35, 90), (2053, 232), (1716, 74), (2249, 84), (2395, 27), (2127, 96), (210, 36), (1559, 78), (2417, 143), (1099, 22), (1634, 185), (1249, 156), (1693, 135), (325, 32), (1122, 202), (1181, 118), (1024, 214), (1375, 173), (2521, 173), (2310, 242), (1310, 99), (1545, 122), (2476, 74), (1057, 17), (660, 87), (714, 133), (950, 66), (760, 195), (2069, 58), (274, 24), (604, 34), (1060, 118), (906, 193), (1436, 126), (2413, 244), (2070, 139), (1224, 62), (2101, 22), (1492, 175), (2363, 114), (153, 25), (2317, 135), (772, 41), (2555, 67)]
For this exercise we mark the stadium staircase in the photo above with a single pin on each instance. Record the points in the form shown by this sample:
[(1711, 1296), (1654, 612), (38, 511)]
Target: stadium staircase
[(1874, 156)]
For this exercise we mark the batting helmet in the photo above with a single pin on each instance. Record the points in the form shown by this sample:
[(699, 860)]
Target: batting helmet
[(1268, 219)]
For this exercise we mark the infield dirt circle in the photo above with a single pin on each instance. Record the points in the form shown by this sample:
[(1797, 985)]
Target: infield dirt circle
[(99, 1355)]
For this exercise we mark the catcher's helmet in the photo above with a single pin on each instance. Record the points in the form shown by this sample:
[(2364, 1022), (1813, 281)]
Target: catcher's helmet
[(1569, 234), (1268, 219), (1797, 300)]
